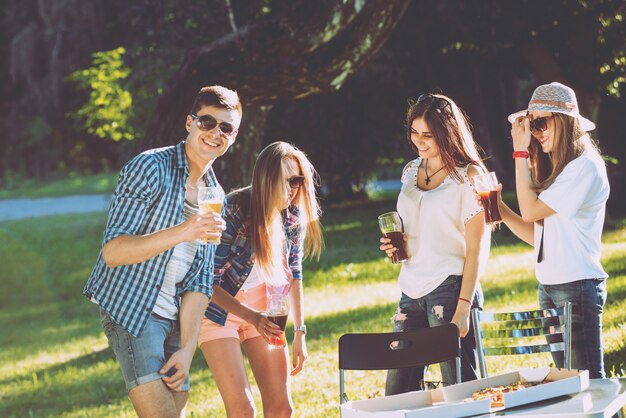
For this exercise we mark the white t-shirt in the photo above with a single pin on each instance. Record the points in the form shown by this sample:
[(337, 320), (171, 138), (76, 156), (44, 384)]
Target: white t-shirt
[(177, 268), (572, 236), (434, 223)]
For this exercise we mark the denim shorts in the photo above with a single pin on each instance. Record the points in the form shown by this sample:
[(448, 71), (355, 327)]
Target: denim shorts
[(142, 357)]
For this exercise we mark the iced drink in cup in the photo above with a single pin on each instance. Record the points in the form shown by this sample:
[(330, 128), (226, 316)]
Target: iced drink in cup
[(210, 199), (487, 187), (277, 311), (391, 226)]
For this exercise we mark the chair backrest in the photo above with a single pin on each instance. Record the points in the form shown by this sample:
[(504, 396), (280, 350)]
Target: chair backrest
[(394, 350), (516, 328)]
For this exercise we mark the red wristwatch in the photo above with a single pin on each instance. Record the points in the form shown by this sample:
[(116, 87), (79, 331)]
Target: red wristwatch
[(520, 154)]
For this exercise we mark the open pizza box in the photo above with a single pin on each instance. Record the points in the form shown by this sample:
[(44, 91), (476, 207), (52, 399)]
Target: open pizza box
[(456, 400)]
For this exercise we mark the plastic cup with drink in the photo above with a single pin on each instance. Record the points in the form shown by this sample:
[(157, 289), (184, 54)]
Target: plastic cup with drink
[(277, 311), (487, 187), (210, 199), (391, 226)]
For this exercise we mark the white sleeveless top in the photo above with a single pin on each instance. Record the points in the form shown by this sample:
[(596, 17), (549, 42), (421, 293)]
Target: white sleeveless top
[(434, 223)]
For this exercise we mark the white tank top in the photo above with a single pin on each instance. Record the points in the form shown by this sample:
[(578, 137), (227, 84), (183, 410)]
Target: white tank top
[(177, 267)]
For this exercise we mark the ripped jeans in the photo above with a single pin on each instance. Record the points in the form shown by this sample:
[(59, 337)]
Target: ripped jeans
[(433, 309)]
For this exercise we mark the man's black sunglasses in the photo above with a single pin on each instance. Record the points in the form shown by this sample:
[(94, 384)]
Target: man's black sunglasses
[(295, 181), (208, 122)]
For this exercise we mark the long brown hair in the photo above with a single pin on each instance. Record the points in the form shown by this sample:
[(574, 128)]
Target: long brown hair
[(451, 130), (268, 200), (567, 145)]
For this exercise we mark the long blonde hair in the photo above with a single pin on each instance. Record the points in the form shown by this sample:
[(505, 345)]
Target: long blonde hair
[(267, 201), (568, 144)]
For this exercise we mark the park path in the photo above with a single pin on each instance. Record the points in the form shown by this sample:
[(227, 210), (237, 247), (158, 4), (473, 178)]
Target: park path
[(13, 209)]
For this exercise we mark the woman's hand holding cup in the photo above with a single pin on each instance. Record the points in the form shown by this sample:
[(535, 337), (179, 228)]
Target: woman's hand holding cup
[(394, 240)]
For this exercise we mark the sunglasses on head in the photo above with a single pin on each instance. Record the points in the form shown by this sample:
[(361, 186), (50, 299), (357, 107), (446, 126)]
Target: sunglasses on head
[(295, 181), (208, 122), (437, 102), (539, 124)]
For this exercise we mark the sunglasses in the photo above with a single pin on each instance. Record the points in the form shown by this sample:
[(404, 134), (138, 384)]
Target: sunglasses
[(295, 181), (208, 122), (437, 102), (539, 124)]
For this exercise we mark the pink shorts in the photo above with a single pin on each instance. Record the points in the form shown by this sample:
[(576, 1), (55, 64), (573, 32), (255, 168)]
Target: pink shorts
[(235, 327)]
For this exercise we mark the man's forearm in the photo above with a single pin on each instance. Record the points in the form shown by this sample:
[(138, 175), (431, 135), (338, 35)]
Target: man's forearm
[(133, 249), (192, 307)]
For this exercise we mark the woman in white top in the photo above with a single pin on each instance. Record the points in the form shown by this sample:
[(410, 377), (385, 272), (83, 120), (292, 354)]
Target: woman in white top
[(562, 189), (445, 232)]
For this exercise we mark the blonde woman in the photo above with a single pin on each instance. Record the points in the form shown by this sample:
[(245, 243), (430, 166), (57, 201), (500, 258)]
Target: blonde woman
[(562, 189), (270, 226), (447, 241)]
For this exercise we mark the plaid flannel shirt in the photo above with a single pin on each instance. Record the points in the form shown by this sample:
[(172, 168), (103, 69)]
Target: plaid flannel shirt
[(234, 256), (149, 197)]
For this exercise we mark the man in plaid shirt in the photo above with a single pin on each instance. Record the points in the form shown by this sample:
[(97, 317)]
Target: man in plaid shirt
[(154, 277)]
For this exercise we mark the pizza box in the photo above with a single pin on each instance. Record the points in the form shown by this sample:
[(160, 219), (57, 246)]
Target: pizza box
[(456, 400)]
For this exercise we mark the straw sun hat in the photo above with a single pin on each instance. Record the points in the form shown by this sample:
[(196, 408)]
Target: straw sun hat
[(555, 97)]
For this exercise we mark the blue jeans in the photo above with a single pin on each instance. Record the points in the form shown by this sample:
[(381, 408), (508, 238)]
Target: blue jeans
[(142, 357), (587, 298), (436, 308)]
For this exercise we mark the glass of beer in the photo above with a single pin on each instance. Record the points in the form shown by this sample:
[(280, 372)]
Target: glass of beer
[(391, 226), (487, 187), (277, 311), (210, 199)]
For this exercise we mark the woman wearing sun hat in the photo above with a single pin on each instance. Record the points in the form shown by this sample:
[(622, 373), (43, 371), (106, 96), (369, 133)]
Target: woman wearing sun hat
[(562, 189)]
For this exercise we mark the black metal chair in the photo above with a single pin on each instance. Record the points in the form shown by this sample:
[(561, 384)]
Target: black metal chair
[(516, 328), (378, 351)]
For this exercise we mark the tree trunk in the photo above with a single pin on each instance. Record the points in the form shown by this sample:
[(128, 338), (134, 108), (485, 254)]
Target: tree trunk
[(314, 47)]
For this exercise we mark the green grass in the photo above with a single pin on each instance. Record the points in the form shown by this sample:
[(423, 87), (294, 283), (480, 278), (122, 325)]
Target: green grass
[(54, 359), (69, 186)]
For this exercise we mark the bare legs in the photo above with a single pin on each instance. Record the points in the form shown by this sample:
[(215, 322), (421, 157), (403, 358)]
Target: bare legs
[(154, 399), (270, 369)]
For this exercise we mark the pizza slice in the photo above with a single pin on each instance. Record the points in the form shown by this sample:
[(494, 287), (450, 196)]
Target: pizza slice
[(495, 394)]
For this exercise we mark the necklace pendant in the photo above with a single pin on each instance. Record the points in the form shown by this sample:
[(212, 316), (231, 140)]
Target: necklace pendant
[(427, 181)]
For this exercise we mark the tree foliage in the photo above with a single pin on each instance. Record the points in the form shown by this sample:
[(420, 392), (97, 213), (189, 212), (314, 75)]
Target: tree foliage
[(108, 112), (313, 73), (578, 41), (304, 49), (612, 33)]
